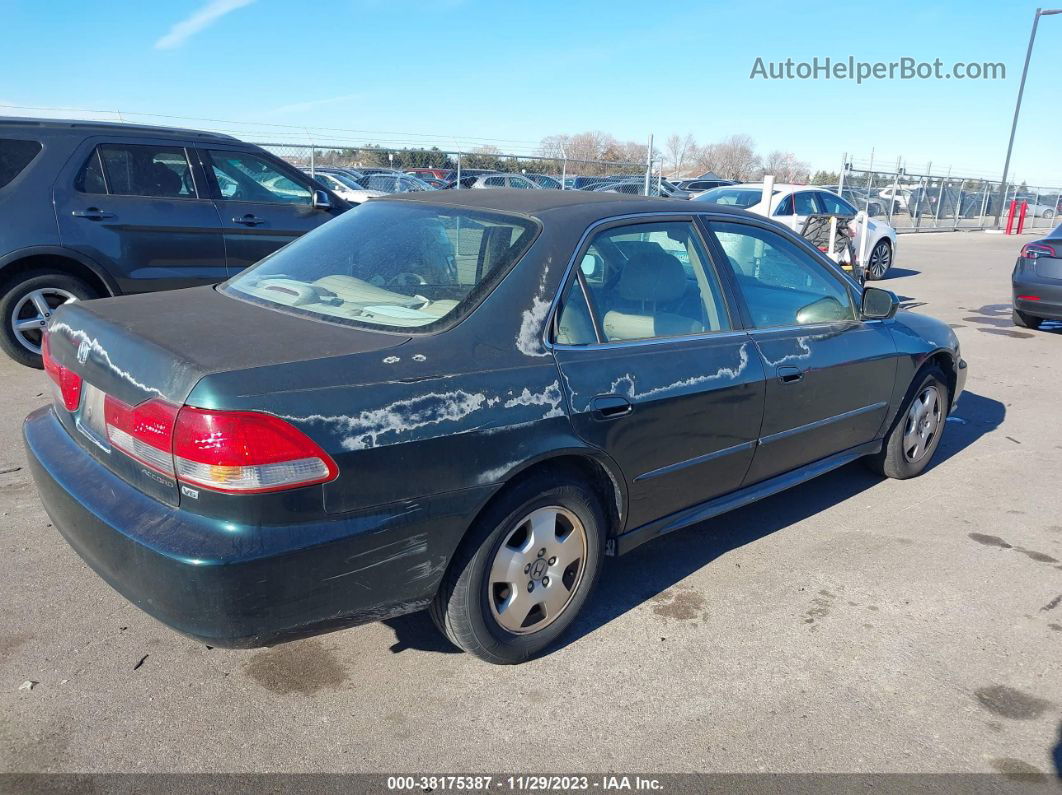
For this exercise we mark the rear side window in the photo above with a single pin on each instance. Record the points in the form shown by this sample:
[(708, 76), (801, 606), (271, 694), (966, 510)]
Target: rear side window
[(90, 179), (137, 170), (15, 155)]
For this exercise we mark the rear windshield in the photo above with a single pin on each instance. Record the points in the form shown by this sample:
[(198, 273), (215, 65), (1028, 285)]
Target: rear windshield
[(391, 265), (15, 155), (735, 197)]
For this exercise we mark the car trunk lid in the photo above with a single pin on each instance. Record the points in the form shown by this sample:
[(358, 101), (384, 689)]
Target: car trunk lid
[(157, 347)]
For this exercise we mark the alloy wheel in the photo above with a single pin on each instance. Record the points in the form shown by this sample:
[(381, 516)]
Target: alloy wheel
[(922, 424), (880, 259), (31, 313), (537, 570)]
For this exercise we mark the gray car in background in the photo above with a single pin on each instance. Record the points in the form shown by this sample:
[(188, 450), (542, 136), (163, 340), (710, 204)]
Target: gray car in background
[(1037, 281)]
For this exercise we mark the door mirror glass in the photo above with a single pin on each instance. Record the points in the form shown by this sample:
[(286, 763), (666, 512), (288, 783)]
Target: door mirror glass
[(879, 304), (321, 200)]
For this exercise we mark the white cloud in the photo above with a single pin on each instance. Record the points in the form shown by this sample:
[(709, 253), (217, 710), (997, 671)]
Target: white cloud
[(203, 18)]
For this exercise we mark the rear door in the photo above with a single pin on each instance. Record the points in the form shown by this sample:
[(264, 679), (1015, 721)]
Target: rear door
[(263, 203), (657, 373), (141, 209), (829, 373)]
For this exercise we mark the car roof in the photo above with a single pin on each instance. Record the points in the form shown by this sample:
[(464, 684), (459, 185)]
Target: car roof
[(146, 130), (554, 202)]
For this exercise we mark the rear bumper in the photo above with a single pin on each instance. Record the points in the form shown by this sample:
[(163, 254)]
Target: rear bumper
[(1049, 291), (238, 586)]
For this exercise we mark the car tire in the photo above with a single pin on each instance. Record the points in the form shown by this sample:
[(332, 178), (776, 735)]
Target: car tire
[(879, 261), (915, 433), (19, 301), (478, 607), (1048, 214), (1024, 320)]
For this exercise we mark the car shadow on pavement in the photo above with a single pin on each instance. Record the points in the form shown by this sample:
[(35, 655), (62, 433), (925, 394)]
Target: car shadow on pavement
[(640, 577), (418, 631), (973, 417), (1056, 753), (632, 580), (899, 273)]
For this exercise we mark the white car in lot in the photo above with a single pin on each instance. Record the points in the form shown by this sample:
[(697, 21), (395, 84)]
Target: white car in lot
[(792, 204), (345, 186)]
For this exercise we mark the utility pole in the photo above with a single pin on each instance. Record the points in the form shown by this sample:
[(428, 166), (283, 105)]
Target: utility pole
[(1017, 109)]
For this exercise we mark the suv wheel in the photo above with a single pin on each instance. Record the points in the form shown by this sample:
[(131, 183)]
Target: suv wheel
[(523, 572), (27, 303)]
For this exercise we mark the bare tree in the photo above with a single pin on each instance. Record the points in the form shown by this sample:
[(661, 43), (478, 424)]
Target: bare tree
[(703, 158), (735, 158), (785, 167), (678, 150)]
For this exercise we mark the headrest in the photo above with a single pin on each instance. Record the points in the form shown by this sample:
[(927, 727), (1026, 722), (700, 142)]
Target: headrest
[(652, 274)]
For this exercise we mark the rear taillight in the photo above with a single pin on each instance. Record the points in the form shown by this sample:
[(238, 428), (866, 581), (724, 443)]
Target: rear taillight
[(1037, 250), (246, 452), (67, 380), (143, 432), (235, 452)]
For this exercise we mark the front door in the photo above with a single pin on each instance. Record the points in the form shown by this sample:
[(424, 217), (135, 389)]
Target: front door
[(141, 209), (829, 374), (263, 204), (655, 370)]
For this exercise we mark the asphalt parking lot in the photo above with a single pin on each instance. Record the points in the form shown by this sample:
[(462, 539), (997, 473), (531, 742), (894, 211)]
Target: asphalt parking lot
[(851, 624)]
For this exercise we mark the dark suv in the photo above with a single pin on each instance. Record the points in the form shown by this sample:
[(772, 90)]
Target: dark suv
[(92, 209)]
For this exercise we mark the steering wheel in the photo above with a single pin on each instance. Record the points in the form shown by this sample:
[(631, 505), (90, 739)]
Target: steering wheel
[(407, 279)]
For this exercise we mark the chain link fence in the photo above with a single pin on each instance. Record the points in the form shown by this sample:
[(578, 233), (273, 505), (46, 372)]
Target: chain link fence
[(463, 170), (926, 202)]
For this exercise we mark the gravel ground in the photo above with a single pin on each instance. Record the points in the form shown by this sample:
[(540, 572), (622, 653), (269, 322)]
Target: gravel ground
[(850, 624)]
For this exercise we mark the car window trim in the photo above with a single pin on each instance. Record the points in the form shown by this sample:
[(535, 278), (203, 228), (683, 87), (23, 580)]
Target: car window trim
[(581, 250), (829, 267)]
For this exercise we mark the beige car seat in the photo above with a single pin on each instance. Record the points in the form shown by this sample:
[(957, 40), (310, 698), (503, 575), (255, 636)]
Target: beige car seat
[(650, 279)]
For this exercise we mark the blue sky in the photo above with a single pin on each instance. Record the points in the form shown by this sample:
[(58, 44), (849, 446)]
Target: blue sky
[(471, 71)]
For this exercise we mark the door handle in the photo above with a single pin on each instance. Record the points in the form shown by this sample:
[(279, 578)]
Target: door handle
[(790, 375), (609, 407), (249, 220), (92, 213)]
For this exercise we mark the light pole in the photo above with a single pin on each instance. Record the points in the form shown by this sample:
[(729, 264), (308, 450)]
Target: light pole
[(1017, 107)]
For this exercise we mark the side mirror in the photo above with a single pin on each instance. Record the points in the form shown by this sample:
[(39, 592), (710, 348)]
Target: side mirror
[(879, 304), (321, 200)]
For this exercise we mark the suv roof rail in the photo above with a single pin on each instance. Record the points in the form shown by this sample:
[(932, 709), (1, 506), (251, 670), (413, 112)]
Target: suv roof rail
[(147, 129)]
